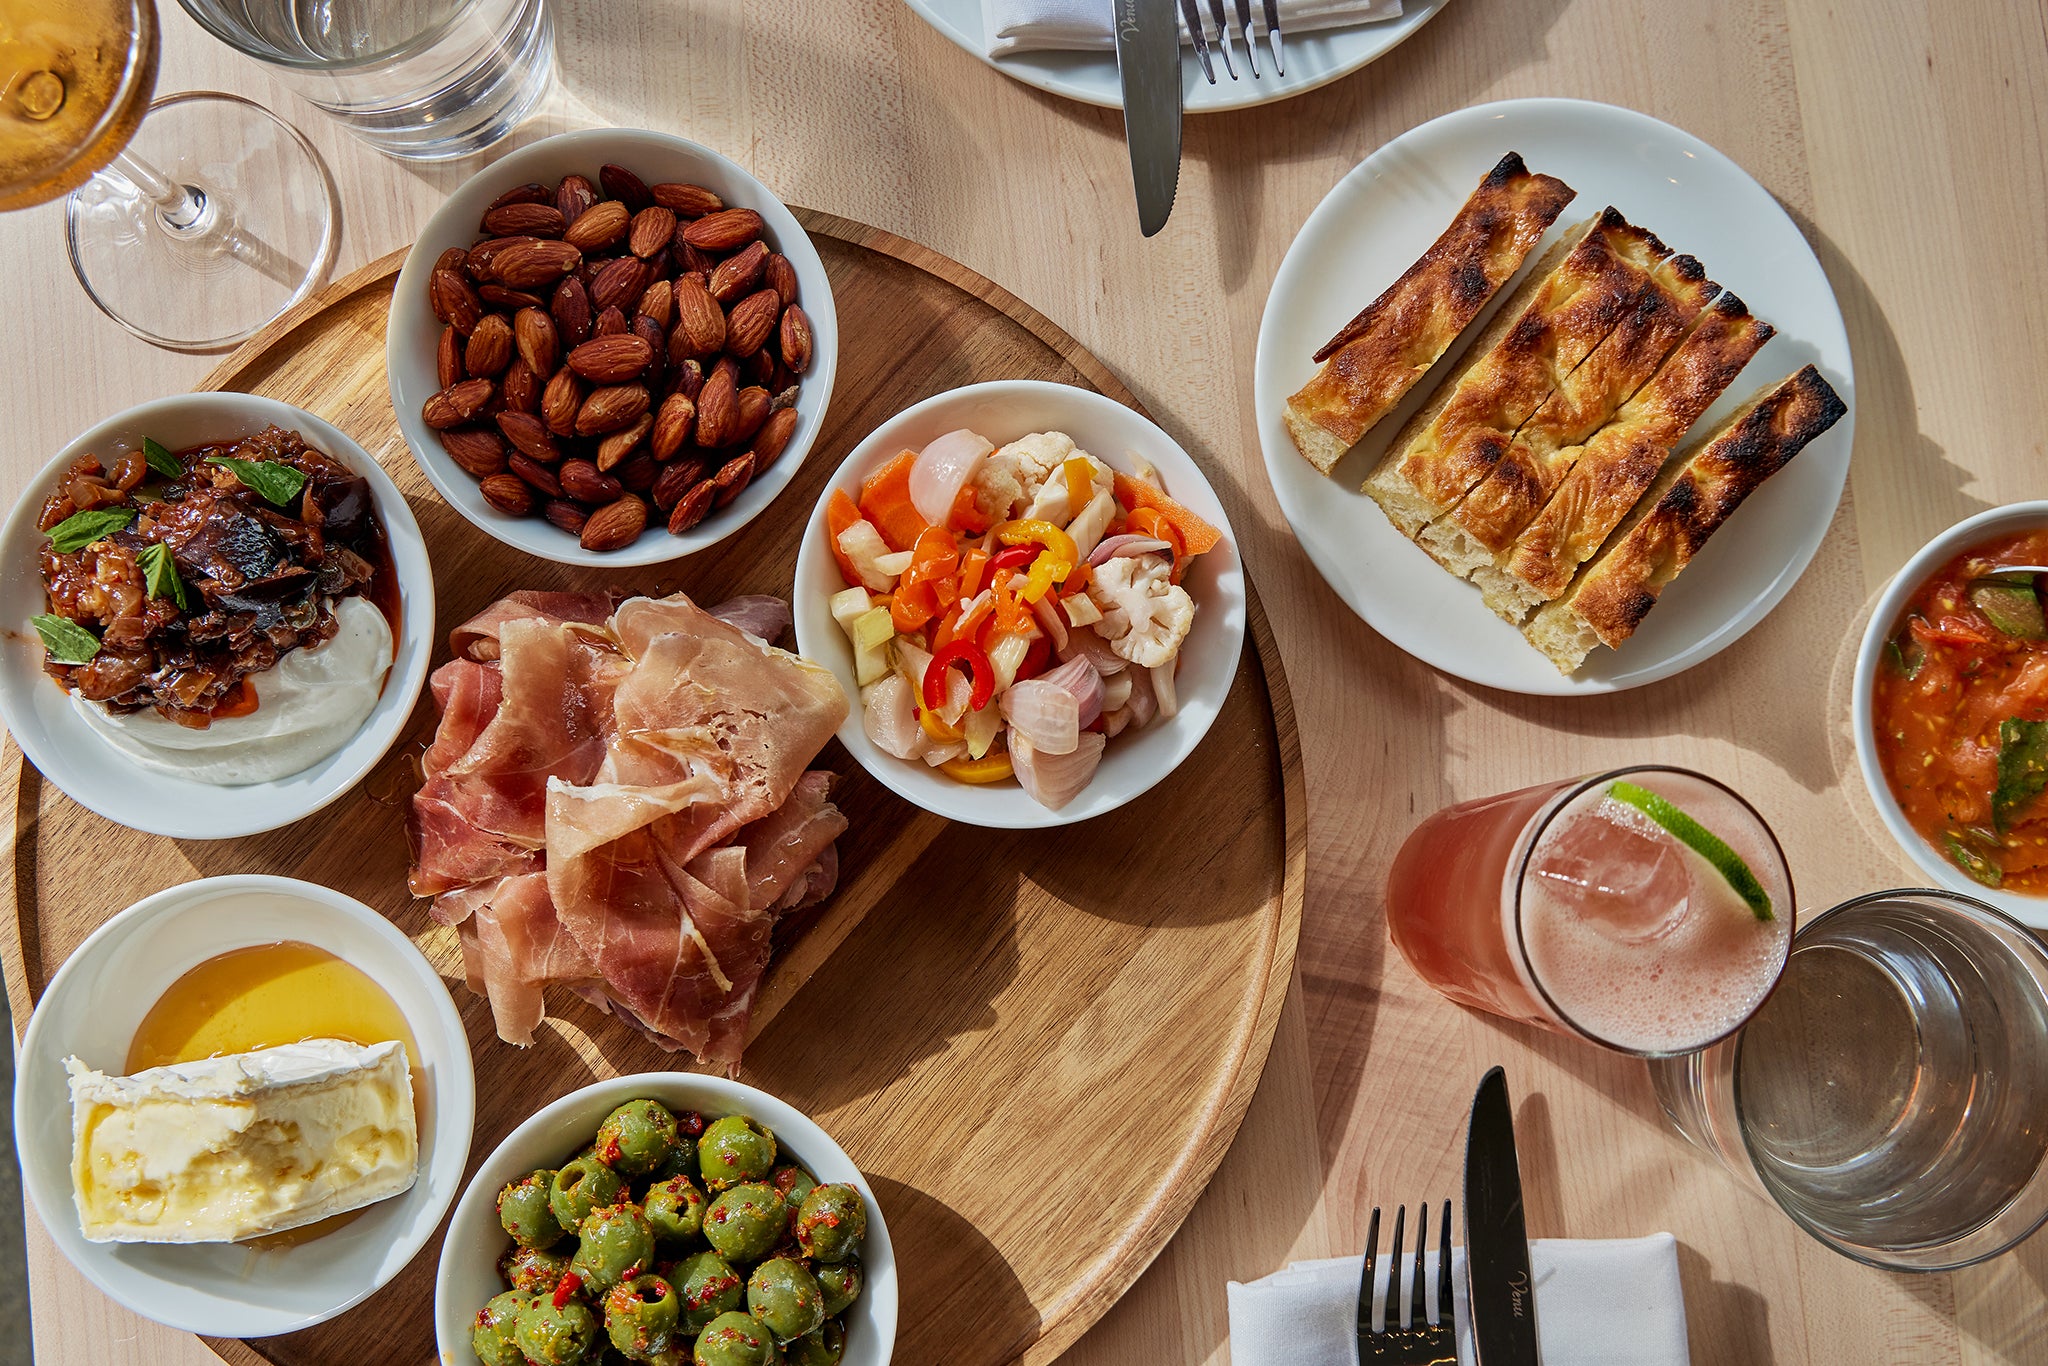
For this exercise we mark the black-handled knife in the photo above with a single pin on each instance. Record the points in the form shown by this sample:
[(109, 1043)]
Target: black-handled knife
[(1497, 1280)]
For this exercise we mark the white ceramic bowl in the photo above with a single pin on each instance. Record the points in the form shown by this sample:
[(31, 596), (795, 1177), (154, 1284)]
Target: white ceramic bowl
[(1884, 623), (92, 1008), (95, 775), (414, 332), (1002, 411), (469, 1254)]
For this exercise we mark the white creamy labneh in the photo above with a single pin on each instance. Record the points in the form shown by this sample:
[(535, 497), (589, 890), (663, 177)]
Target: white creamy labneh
[(307, 706), (235, 1147)]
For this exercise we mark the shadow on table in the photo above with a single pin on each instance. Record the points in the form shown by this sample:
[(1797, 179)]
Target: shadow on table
[(950, 1280), (1725, 1321), (16, 1348)]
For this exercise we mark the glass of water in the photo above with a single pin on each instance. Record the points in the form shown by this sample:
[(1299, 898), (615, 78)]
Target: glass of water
[(426, 80), (1892, 1095)]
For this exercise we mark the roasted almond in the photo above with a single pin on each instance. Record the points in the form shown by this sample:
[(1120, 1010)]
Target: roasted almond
[(572, 313), (560, 401), (478, 452), (505, 299), (750, 408), (671, 430), (615, 525), (796, 339), (532, 192), (601, 226), (448, 357), (731, 479), (620, 183), (455, 259), (623, 442), (610, 408), (649, 331), (718, 408), (531, 219), (652, 228), (509, 494), (781, 277), (699, 320), (583, 481), (490, 346), (773, 438), (689, 201), (537, 340), (618, 283), (691, 508), (657, 301), (674, 481), (535, 473), (574, 196), (611, 359), (481, 262), (566, 515), (610, 323), (530, 435), (726, 230), (761, 367), (692, 260), (458, 403), (455, 301), (637, 472), (689, 380), (534, 261), (751, 322), (520, 388), (736, 274)]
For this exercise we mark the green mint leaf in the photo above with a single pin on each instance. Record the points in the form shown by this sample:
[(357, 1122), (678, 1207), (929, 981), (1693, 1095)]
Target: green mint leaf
[(1975, 864), (277, 483), (2012, 606), (2022, 768), (81, 529), (65, 639), (161, 460), (160, 575)]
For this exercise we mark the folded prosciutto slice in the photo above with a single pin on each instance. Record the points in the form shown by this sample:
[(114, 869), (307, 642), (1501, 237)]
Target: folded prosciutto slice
[(619, 801)]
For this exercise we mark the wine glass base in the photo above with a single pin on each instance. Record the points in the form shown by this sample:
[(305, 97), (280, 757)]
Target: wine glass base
[(264, 237)]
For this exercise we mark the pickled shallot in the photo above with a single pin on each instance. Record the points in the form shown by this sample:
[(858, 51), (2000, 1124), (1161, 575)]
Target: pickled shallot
[(1011, 608)]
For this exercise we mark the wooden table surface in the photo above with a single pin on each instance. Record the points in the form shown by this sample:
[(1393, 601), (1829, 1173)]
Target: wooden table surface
[(1906, 137)]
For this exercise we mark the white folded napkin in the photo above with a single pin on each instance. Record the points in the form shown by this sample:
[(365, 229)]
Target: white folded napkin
[(1081, 25), (1614, 1302)]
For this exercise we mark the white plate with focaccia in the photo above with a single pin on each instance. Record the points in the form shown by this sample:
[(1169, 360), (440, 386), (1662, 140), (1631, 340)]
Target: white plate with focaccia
[(1556, 397)]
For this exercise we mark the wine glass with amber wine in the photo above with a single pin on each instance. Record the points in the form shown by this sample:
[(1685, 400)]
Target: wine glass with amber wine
[(192, 221)]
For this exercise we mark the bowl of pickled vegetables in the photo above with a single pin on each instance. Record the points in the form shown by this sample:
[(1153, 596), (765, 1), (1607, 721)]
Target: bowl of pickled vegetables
[(1035, 595), (669, 1218)]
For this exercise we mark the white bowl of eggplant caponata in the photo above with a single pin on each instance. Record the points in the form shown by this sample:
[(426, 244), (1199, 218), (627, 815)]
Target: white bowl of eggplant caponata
[(611, 348), (673, 1218)]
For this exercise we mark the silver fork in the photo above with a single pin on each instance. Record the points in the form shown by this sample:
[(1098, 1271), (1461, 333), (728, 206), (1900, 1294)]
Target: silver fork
[(1419, 1342), (1191, 14)]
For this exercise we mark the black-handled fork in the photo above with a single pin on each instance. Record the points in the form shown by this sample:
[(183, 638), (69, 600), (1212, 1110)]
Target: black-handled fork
[(1417, 1342)]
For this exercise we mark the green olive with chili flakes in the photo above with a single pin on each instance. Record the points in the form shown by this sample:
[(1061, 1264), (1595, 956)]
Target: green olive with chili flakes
[(735, 1150), (526, 1213), (736, 1340), (825, 1347), (745, 1224), (582, 1185), (493, 1337), (637, 1137), (614, 1244), (553, 1334), (675, 1210), (533, 1268), (795, 1183), (841, 1283), (784, 1295), (832, 1222), (707, 1286), (640, 1316)]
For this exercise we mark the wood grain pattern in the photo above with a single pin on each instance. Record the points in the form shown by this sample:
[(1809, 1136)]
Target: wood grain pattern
[(973, 995), (1908, 139)]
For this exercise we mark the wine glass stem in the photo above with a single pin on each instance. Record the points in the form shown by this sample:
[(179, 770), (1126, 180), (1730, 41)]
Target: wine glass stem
[(181, 207), (188, 213)]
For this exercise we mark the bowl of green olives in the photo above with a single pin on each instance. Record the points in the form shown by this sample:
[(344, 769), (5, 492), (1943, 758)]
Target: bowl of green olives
[(669, 1218)]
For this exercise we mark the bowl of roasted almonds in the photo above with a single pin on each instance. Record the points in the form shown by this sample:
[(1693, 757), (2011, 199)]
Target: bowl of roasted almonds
[(611, 348)]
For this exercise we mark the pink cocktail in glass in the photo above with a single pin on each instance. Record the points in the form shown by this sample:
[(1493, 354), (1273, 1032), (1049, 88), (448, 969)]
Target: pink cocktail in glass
[(1567, 906)]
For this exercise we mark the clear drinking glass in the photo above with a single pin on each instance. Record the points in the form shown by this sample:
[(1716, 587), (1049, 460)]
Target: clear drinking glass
[(1564, 906), (1892, 1096), (426, 80)]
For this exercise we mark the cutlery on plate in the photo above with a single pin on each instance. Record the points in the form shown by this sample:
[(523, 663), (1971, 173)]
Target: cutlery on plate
[(1148, 64), (1501, 1295), (1198, 33), (1419, 1342)]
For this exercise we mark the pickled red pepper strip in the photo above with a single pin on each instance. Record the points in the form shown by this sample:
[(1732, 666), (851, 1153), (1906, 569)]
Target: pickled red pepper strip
[(566, 1288), (980, 671), (1016, 557)]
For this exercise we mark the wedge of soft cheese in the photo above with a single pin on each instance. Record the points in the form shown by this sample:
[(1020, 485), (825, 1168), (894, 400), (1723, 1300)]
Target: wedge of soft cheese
[(238, 1146)]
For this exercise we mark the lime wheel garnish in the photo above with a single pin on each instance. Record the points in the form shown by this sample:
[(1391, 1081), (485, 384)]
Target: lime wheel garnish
[(1701, 841)]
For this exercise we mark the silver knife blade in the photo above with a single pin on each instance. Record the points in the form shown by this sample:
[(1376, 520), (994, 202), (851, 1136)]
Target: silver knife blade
[(1503, 1299), (1148, 62)]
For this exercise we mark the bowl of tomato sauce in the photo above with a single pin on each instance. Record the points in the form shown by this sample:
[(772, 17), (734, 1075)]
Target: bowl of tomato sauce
[(1951, 708)]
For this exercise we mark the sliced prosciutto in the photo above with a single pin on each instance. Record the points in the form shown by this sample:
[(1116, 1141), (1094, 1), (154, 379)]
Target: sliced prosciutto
[(620, 802)]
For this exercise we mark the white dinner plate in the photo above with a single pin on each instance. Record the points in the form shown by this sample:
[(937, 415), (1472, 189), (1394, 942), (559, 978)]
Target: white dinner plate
[(1313, 59), (1383, 216)]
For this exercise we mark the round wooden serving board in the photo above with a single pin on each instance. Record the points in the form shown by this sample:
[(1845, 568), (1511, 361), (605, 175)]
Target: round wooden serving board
[(1037, 1045)]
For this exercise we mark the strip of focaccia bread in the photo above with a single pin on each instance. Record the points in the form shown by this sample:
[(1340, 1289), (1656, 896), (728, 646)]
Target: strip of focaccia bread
[(1617, 590), (1487, 520), (1377, 357), (1552, 323), (1619, 462)]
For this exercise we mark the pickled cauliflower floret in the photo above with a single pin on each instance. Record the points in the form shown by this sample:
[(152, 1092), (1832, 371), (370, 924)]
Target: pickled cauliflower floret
[(1145, 616), (1012, 477), (1054, 500)]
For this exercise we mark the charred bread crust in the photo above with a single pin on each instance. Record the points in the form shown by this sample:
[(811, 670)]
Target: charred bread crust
[(1464, 430), (1618, 589), (1376, 358)]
